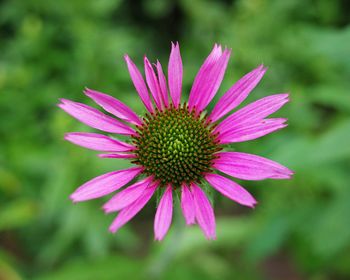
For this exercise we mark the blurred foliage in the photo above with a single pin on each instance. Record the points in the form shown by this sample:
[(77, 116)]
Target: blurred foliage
[(52, 49)]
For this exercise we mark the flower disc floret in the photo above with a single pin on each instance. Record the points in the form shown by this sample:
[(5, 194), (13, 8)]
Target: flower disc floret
[(176, 146)]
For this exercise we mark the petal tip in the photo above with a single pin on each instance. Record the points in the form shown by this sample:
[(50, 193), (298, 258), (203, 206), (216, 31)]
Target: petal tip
[(146, 60), (88, 92), (65, 101), (289, 174), (211, 237), (67, 136), (158, 238), (107, 210), (112, 229), (252, 204), (73, 197)]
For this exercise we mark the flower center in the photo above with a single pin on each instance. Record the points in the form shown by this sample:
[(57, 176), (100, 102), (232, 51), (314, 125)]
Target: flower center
[(175, 146)]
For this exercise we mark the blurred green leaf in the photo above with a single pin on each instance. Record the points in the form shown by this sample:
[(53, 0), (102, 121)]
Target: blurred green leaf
[(113, 267), (17, 214), (7, 272)]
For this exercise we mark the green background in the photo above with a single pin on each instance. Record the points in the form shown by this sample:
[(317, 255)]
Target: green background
[(50, 49)]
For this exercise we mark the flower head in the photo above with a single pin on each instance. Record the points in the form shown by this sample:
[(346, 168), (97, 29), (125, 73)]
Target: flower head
[(176, 146)]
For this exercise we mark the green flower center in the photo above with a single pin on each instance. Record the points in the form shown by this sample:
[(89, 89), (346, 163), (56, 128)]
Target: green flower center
[(175, 146)]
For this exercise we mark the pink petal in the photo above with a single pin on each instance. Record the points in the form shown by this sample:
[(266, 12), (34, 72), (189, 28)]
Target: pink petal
[(139, 83), (187, 205), (152, 82), (162, 85), (127, 196), (251, 131), (237, 93), (94, 118), (250, 167), (212, 81), (231, 189), (98, 142), (105, 184), (204, 212), (117, 155), (253, 112), (175, 74), (131, 210), (164, 214), (197, 87), (114, 106)]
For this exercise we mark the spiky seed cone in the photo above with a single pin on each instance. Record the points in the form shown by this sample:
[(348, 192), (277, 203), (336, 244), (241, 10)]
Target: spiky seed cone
[(175, 146)]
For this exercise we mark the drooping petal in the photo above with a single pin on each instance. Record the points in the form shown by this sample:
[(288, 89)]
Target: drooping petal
[(254, 112), (105, 184), (212, 81), (98, 142), (237, 93), (117, 155), (164, 214), (187, 205), (230, 189), (127, 196), (139, 83), (204, 212), (250, 167), (94, 118), (209, 63), (162, 84), (175, 74), (152, 82), (114, 106), (251, 131), (131, 210)]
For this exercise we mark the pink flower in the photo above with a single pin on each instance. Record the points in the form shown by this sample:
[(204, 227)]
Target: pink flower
[(176, 146)]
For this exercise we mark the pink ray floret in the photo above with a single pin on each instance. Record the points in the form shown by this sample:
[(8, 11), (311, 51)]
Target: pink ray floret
[(230, 189), (250, 167), (114, 106), (162, 85), (211, 61), (98, 142), (118, 155), (105, 184), (164, 214), (139, 83), (127, 196), (153, 84), (204, 212), (175, 74), (95, 118), (187, 205), (127, 213), (237, 93)]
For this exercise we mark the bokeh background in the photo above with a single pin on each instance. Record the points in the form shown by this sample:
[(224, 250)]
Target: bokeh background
[(50, 49)]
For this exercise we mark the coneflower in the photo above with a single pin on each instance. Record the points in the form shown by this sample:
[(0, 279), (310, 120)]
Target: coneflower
[(177, 146)]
